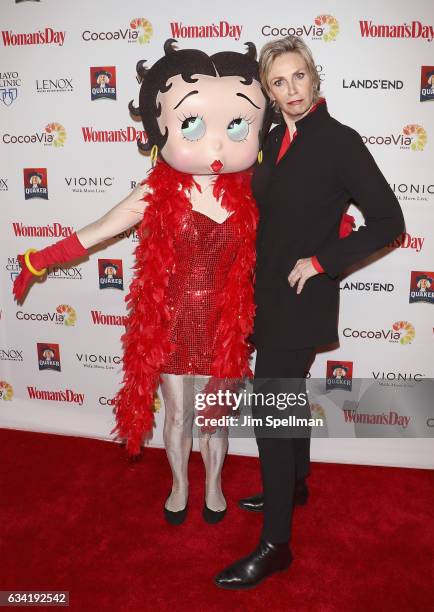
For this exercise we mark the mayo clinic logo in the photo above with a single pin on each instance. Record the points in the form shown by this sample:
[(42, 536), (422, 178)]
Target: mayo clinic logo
[(9, 84), (324, 27)]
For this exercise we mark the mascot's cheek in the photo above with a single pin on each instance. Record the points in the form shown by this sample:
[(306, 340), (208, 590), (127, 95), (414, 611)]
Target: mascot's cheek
[(184, 156)]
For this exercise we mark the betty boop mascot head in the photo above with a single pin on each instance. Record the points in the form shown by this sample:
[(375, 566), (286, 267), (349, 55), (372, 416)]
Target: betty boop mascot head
[(199, 109), (203, 115)]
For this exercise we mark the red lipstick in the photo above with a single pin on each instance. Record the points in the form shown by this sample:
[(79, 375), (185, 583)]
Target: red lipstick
[(216, 166)]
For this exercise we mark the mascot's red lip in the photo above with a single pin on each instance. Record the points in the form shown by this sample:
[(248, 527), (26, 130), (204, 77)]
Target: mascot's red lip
[(216, 166)]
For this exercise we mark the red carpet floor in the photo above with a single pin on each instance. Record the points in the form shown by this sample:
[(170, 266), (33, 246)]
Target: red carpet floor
[(77, 516)]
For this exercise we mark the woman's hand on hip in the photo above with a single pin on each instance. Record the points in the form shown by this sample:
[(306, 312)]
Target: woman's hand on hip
[(301, 272)]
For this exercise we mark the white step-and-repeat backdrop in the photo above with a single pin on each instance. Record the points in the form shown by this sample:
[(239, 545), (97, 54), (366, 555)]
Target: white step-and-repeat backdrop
[(69, 154)]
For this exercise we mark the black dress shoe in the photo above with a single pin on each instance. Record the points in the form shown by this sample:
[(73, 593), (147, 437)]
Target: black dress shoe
[(246, 573), (256, 502), (213, 516), (175, 518)]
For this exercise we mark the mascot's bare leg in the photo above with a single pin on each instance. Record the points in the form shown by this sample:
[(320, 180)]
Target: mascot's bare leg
[(213, 448), (177, 435)]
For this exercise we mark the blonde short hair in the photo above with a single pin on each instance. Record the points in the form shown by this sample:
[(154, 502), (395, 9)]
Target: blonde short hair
[(289, 44)]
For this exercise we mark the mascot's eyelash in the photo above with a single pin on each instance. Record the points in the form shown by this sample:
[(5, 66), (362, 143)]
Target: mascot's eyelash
[(249, 120), (191, 116)]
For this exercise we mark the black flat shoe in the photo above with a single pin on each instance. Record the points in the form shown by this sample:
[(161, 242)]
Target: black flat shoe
[(175, 518), (256, 502), (246, 573), (213, 516)]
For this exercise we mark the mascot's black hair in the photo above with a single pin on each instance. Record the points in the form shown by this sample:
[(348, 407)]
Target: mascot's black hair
[(186, 63)]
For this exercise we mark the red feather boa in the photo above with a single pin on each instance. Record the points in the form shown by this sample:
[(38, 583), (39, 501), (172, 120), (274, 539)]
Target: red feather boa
[(146, 344)]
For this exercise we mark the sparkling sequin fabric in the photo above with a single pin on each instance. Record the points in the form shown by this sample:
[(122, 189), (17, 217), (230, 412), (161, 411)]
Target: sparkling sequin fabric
[(205, 251)]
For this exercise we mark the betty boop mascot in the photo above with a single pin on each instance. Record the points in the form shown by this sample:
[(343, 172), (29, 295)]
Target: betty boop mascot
[(190, 303)]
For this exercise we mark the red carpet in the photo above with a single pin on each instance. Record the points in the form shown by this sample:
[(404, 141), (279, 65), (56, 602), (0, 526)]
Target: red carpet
[(76, 516)]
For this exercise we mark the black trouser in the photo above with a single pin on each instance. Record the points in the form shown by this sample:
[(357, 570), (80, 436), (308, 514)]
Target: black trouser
[(283, 459)]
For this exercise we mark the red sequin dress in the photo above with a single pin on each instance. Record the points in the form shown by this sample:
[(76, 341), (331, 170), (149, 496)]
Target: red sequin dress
[(205, 251)]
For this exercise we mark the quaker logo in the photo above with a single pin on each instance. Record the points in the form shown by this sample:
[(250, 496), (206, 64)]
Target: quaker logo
[(407, 241), (412, 137), (89, 184), (339, 375), (99, 361), (48, 356), (63, 315), (140, 31), (369, 287), (54, 135), (129, 134), (47, 36), (103, 82), (402, 332), (60, 85), (13, 267), (376, 84), (6, 391), (110, 274), (222, 29), (323, 27), (3, 184), (52, 230), (11, 354), (414, 29), (422, 287), (35, 183), (413, 192), (397, 379), (426, 83), (69, 273)]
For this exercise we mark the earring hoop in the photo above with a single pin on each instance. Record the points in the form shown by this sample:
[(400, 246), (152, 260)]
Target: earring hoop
[(154, 155), (260, 156)]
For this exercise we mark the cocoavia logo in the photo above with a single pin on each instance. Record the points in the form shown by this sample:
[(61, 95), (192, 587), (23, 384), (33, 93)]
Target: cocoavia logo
[(330, 25), (6, 391)]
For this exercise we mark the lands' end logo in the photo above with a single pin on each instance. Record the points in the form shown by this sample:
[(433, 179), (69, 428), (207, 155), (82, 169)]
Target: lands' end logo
[(6, 391), (426, 83), (110, 274), (412, 137), (35, 183), (140, 31), (339, 375), (415, 29), (103, 82), (422, 287), (47, 36), (48, 356)]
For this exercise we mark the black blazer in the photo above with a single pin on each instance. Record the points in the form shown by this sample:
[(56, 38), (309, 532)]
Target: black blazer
[(301, 202)]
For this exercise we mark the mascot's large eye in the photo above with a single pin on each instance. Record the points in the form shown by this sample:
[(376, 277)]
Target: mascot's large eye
[(193, 128), (238, 129)]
